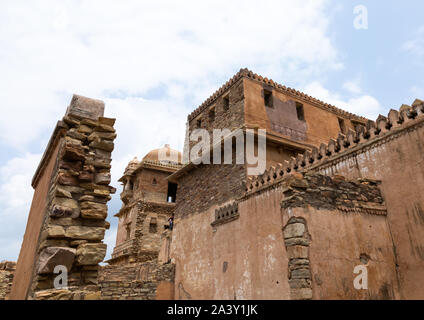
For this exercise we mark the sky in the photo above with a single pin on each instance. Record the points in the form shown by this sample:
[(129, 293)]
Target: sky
[(153, 62)]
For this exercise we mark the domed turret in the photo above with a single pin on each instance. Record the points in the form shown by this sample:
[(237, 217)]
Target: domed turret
[(164, 155)]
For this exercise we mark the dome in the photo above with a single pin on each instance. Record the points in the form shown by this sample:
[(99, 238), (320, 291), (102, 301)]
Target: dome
[(167, 154)]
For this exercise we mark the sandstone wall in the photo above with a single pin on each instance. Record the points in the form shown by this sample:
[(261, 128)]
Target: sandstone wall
[(391, 150), (140, 281), (208, 185), (229, 116), (67, 223), (7, 270), (330, 226), (239, 258), (244, 250)]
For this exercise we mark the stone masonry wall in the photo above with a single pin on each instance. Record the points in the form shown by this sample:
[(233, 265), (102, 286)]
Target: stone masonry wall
[(150, 223), (75, 224), (73, 219), (137, 281), (228, 116), (208, 185), (7, 270)]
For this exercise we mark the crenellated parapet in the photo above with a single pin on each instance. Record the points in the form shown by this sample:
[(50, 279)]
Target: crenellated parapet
[(384, 126)]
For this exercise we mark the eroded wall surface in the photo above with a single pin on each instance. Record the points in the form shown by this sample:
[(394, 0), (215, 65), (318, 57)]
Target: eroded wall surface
[(396, 160), (257, 252), (241, 259)]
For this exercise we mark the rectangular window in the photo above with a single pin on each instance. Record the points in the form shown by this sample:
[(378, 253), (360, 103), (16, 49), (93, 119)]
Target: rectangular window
[(268, 98), (199, 123), (226, 103), (153, 227), (299, 111), (172, 192), (212, 115)]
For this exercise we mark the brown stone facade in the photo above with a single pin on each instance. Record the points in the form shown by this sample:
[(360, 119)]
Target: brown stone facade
[(67, 220), (7, 270), (139, 281)]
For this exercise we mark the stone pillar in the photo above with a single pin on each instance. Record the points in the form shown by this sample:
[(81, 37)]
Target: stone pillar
[(71, 217), (296, 240)]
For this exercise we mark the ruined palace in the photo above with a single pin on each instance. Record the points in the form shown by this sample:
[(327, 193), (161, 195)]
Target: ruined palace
[(339, 192)]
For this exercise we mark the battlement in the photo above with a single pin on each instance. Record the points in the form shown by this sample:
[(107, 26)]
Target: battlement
[(374, 131)]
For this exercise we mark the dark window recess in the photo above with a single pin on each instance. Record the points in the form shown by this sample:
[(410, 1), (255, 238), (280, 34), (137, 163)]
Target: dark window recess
[(128, 230), (226, 103), (172, 192), (199, 123), (153, 227), (342, 125), (268, 98), (131, 185), (154, 182), (300, 112), (212, 115)]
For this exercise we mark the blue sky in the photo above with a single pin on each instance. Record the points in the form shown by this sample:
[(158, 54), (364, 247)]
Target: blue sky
[(154, 62)]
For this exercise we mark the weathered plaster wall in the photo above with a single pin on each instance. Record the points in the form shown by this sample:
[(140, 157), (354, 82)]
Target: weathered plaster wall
[(282, 118), (398, 163), (26, 260), (241, 259), (337, 242)]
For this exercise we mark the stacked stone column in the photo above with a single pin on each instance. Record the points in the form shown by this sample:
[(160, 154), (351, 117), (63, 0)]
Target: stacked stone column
[(74, 224)]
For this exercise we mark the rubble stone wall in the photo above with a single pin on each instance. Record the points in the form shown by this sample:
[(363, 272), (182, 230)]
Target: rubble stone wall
[(209, 185), (72, 215), (7, 270), (139, 281)]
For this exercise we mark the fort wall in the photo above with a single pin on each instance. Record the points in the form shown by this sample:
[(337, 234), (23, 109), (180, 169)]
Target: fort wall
[(390, 150)]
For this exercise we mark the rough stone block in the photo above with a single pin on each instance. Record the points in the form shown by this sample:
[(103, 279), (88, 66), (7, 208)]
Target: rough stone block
[(301, 274), (294, 230), (102, 144), (54, 256), (103, 178), (301, 294), (85, 233), (53, 231), (91, 253), (83, 107), (294, 252), (93, 214)]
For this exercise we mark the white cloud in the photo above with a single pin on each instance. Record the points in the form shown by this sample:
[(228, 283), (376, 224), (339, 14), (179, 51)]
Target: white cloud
[(352, 87), (415, 46), (364, 105), (52, 49), (15, 201), (152, 62)]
